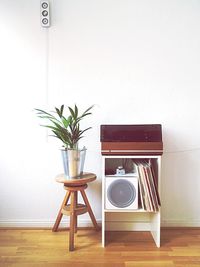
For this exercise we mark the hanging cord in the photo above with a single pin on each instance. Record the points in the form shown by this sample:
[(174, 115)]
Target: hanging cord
[(182, 151), (47, 66)]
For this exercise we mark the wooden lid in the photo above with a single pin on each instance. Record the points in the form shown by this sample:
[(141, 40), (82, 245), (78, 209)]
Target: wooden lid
[(85, 178)]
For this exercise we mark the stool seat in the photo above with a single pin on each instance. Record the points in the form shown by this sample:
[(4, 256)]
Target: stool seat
[(73, 186), (85, 178)]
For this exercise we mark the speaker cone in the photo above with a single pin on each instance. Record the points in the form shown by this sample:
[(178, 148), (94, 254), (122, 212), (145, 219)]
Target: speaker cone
[(121, 193)]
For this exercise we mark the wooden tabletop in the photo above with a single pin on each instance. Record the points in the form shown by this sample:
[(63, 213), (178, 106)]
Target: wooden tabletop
[(85, 178)]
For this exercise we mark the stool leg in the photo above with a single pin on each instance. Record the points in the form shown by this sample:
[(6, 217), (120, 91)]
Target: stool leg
[(89, 209), (72, 221), (59, 216), (75, 217)]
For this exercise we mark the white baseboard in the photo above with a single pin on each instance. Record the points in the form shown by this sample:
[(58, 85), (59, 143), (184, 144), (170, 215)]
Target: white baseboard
[(87, 223), (42, 223), (180, 223)]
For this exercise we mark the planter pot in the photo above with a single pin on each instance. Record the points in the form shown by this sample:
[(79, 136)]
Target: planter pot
[(73, 162)]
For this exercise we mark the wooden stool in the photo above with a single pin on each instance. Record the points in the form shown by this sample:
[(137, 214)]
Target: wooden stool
[(74, 209)]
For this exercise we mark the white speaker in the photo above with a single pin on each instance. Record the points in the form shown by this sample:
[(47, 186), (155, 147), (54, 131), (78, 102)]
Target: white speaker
[(121, 192), (44, 14)]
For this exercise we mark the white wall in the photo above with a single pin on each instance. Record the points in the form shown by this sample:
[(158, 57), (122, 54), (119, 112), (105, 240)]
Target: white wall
[(137, 61)]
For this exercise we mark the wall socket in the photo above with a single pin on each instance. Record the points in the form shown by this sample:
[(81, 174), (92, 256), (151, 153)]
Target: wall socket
[(44, 14)]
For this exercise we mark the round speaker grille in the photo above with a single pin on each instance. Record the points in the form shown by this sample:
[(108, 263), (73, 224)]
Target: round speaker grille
[(121, 193)]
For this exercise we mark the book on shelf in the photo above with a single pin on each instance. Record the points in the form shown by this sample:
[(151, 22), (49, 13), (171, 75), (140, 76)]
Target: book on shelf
[(148, 190)]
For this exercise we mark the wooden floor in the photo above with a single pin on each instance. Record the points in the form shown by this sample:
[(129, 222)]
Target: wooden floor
[(179, 247)]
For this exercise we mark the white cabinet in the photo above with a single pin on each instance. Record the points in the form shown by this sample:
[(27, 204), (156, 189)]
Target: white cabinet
[(134, 217)]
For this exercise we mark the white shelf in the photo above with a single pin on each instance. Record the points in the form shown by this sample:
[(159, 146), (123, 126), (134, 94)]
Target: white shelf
[(126, 210), (124, 175), (132, 219)]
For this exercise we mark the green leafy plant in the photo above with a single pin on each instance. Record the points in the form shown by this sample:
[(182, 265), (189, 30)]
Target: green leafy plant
[(65, 128)]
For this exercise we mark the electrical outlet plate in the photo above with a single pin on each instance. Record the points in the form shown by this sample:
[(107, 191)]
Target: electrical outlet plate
[(44, 14)]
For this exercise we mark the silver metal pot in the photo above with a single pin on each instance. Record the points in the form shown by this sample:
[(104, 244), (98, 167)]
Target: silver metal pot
[(73, 162)]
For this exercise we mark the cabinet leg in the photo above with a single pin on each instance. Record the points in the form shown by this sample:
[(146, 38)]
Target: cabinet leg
[(103, 229)]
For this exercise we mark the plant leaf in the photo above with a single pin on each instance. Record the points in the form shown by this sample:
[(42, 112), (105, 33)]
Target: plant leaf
[(72, 112), (58, 112), (61, 110), (86, 111), (76, 112)]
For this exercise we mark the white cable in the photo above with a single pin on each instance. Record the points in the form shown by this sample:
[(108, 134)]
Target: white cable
[(182, 151)]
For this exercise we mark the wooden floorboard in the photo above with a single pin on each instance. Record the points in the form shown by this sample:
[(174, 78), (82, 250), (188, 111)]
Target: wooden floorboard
[(179, 247)]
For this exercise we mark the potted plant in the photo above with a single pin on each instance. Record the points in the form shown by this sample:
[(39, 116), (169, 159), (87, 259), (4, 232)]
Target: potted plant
[(67, 129)]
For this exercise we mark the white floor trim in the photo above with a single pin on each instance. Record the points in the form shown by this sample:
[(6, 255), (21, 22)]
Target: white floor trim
[(180, 223), (88, 223), (42, 223)]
